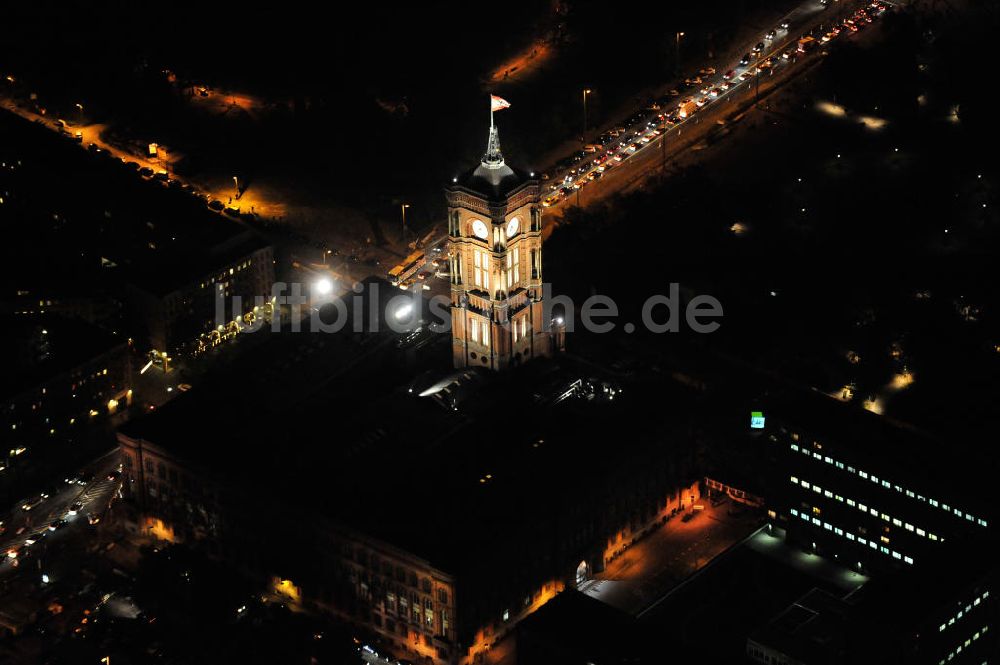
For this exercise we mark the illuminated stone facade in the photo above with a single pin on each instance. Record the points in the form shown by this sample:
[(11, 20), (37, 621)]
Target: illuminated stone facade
[(495, 245)]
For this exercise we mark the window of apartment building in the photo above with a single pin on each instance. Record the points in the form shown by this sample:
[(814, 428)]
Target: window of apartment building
[(443, 596), (428, 615), (425, 584), (390, 602)]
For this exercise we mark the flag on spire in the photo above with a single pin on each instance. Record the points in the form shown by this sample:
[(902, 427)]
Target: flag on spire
[(498, 103)]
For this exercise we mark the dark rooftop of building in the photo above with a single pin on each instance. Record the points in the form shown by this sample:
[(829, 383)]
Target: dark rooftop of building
[(86, 215), (440, 475), (40, 348), (575, 629), (815, 629)]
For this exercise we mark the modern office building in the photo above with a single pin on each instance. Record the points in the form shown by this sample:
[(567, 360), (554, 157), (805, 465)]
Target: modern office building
[(849, 483)]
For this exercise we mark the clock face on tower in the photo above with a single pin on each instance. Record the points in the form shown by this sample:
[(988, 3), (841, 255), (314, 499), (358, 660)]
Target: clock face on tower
[(479, 229), (512, 227)]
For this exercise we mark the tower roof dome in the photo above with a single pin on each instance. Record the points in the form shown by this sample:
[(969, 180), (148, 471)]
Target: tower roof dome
[(493, 178)]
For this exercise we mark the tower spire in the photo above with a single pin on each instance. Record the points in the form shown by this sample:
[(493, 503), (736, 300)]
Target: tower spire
[(493, 159)]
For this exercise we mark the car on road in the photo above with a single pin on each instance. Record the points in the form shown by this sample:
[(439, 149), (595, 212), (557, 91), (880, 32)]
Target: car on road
[(33, 503), (745, 60), (745, 75), (93, 519), (687, 517), (216, 205), (57, 524), (771, 34), (114, 475), (146, 172), (729, 75), (784, 25), (74, 508), (715, 92), (81, 479), (759, 47)]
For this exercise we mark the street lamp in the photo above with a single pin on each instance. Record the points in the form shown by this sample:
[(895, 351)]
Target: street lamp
[(236, 183), (323, 286), (80, 107), (677, 53), (586, 91), (402, 209)]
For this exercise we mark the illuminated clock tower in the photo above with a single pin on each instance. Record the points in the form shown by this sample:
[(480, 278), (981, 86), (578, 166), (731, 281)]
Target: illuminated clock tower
[(495, 248)]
